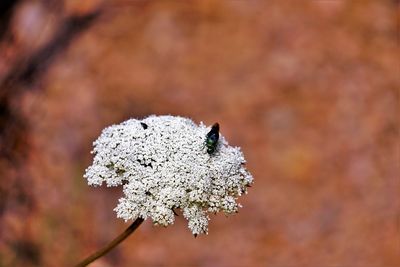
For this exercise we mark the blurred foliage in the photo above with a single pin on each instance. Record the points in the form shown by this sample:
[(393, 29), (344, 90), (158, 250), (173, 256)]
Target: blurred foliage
[(309, 90)]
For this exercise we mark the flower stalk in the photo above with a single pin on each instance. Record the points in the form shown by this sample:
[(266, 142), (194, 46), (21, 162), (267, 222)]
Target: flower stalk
[(112, 244)]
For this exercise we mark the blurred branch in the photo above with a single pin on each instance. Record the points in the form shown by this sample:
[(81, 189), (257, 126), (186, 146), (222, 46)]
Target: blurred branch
[(6, 7), (28, 70), (16, 195)]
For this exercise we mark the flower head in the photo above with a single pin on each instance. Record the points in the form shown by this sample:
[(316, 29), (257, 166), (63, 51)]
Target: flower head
[(162, 164)]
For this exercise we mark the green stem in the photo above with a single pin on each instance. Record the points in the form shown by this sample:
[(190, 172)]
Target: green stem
[(112, 244)]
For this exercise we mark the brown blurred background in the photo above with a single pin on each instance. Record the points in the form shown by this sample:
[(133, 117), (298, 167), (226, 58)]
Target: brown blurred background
[(308, 89)]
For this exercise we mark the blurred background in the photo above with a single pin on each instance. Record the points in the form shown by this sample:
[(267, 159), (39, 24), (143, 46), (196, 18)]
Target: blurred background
[(308, 89)]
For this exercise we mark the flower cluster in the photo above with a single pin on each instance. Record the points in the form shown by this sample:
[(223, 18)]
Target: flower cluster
[(162, 164)]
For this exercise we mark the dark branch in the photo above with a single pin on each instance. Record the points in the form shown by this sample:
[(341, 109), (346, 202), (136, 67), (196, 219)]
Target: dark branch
[(26, 71), (6, 8)]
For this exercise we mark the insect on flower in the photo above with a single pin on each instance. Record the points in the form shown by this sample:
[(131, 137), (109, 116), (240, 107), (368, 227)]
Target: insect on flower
[(212, 138), (159, 164)]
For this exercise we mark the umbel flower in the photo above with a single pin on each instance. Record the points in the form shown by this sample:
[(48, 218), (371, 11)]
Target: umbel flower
[(163, 164)]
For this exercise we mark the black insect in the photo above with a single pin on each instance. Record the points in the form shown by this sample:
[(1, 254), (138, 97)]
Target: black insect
[(144, 125), (212, 138)]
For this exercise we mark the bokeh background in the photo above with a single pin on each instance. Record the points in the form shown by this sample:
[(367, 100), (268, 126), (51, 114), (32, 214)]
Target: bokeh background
[(308, 89)]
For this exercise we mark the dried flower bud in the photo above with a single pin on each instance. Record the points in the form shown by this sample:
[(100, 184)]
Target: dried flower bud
[(163, 164)]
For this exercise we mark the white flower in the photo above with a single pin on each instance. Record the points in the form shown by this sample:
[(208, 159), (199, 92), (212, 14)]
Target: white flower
[(163, 164)]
